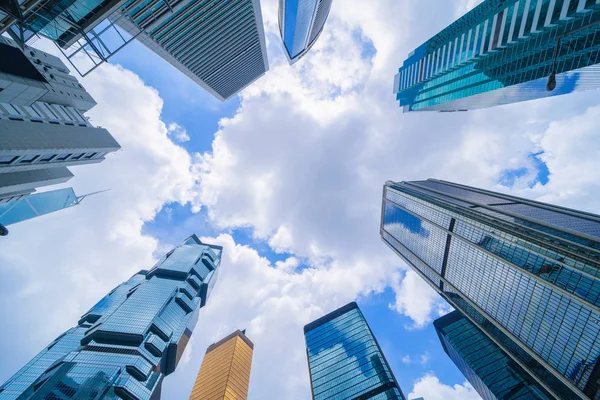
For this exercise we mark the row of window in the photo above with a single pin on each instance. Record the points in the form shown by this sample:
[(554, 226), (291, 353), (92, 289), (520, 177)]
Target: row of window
[(48, 158), (510, 24), (44, 111)]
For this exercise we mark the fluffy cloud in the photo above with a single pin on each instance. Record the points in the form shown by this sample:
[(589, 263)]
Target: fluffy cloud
[(430, 388), (178, 132)]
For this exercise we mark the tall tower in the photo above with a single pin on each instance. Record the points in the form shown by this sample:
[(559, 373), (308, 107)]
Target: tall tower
[(493, 374), (341, 348), (301, 24), (43, 129), (525, 273), (130, 340), (504, 51), (225, 370), (37, 204)]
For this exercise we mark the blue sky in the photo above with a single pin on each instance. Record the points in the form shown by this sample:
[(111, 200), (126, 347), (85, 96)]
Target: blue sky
[(287, 177)]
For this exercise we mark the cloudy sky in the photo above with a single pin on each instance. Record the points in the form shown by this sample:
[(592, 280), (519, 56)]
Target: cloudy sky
[(288, 178)]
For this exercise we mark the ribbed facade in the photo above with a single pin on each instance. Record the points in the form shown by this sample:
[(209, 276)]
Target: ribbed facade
[(300, 24), (225, 370), (43, 128), (493, 374), (503, 51), (525, 273), (345, 361), (125, 345), (218, 44)]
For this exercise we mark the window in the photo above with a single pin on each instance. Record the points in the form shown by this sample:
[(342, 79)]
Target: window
[(28, 159), (91, 155), (77, 156), (63, 157), (47, 158), (5, 160)]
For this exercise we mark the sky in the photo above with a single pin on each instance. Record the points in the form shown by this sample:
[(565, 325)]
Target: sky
[(288, 177)]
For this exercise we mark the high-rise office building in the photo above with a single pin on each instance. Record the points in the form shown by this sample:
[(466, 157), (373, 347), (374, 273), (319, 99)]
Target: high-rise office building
[(300, 25), (345, 360), (525, 273), (504, 51), (125, 345), (220, 45), (37, 204), (225, 370), (493, 374), (43, 129)]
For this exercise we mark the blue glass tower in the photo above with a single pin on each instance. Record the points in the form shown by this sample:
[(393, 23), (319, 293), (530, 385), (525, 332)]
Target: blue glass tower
[(504, 51), (125, 345), (300, 25), (525, 273), (489, 369), (36, 205), (345, 360)]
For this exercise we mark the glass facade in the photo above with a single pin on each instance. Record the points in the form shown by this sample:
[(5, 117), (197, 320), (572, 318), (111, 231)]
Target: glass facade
[(125, 345), (524, 272), (300, 24), (225, 370), (219, 44), (485, 365), (345, 360), (37, 204), (501, 52)]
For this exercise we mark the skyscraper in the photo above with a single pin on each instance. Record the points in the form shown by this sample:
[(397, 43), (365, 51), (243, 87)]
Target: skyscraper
[(345, 360), (43, 129), (130, 340), (525, 273), (220, 45), (37, 204), (504, 51), (225, 370), (300, 25), (493, 374)]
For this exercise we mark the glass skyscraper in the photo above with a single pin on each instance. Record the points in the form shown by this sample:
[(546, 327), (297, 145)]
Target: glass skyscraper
[(36, 205), (525, 273), (345, 360), (225, 370), (493, 374), (125, 345), (300, 25), (504, 51)]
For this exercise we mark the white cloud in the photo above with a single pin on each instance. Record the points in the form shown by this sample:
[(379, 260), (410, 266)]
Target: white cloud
[(178, 132), (430, 388), (415, 298)]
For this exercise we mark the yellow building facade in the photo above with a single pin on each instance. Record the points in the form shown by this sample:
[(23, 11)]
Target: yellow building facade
[(225, 370)]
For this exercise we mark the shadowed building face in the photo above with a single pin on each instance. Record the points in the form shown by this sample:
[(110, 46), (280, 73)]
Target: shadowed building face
[(225, 370)]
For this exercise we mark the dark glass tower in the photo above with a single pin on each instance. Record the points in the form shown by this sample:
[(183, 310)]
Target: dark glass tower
[(125, 345), (504, 51), (489, 369), (345, 360), (525, 273)]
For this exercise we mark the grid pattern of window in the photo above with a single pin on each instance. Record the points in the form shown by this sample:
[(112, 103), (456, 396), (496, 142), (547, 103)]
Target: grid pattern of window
[(489, 369), (222, 43), (531, 280), (501, 44), (225, 370), (125, 345), (345, 360)]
